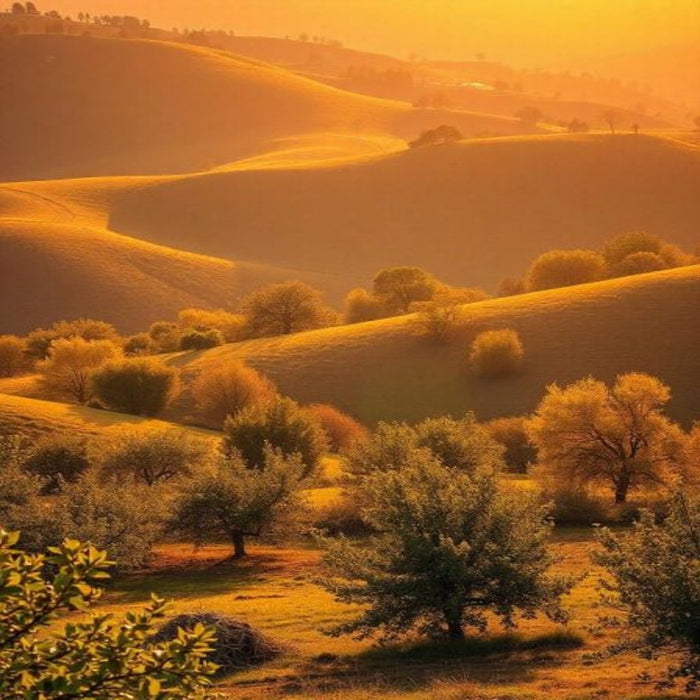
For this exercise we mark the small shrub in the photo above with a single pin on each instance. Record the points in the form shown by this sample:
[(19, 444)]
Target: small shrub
[(496, 353), (224, 389), (12, 356), (138, 385), (280, 424), (201, 340), (563, 268), (139, 345), (341, 429), (57, 458), (165, 335), (228, 324)]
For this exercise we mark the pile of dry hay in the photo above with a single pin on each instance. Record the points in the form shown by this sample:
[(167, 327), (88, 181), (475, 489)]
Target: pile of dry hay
[(237, 646)]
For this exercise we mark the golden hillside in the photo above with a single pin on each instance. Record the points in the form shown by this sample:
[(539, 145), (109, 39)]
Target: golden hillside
[(389, 370), (471, 212), (98, 106)]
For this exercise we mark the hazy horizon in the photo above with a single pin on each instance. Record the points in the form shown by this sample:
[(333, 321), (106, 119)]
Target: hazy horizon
[(568, 35)]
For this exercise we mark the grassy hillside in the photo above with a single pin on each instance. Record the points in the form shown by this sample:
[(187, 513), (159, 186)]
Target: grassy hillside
[(95, 106), (389, 370), (472, 212)]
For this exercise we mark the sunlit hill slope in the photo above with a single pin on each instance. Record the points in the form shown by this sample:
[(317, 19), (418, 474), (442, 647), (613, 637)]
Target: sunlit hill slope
[(390, 370), (471, 213), (97, 106)]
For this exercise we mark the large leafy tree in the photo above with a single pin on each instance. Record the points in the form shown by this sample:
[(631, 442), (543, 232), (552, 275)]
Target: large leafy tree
[(653, 578), (93, 657), (617, 436), (399, 287), (450, 549)]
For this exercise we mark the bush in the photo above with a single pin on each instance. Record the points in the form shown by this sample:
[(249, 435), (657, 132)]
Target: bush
[(512, 434), (399, 287), (99, 657), (139, 345), (362, 306), (236, 645), (201, 340), (12, 356), (341, 429), (564, 268), (165, 336), (626, 244), (639, 263), (40, 340), (441, 134), (57, 458), (71, 362), (512, 286), (496, 353), (228, 324), (280, 424), (289, 307), (222, 390), (138, 385), (150, 455)]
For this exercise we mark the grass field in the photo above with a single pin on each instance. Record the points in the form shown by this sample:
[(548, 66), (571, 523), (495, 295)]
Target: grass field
[(274, 592)]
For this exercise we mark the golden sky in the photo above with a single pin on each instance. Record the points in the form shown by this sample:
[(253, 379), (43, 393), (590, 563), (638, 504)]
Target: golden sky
[(545, 33)]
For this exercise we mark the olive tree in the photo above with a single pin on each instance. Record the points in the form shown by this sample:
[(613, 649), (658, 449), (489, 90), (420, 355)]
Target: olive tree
[(615, 436), (451, 549)]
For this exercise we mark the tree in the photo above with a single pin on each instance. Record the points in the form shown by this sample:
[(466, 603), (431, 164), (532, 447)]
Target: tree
[(151, 455), (57, 458), (87, 658), (512, 434), (450, 549), (399, 287), (280, 424), (18, 8), (39, 340), (456, 443), (230, 325), (441, 134), (563, 268), (616, 436), (639, 263), (137, 385), (139, 345), (12, 357), (529, 115), (165, 335), (71, 362), (236, 502), (496, 353), (611, 118), (289, 307), (223, 389), (362, 306), (653, 574)]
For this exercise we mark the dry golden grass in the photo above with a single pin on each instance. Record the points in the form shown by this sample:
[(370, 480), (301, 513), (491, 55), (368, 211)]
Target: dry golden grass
[(273, 591), (389, 369), (471, 213)]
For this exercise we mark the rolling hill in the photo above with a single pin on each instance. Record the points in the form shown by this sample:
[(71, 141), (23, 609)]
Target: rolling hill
[(85, 106), (389, 370), (471, 212)]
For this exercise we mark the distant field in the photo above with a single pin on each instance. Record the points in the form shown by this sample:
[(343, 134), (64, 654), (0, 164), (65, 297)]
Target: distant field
[(388, 369)]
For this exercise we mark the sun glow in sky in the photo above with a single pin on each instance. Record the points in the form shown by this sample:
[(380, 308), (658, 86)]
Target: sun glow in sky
[(545, 33)]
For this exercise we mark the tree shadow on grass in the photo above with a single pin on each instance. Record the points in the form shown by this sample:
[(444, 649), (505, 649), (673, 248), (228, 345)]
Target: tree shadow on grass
[(493, 660)]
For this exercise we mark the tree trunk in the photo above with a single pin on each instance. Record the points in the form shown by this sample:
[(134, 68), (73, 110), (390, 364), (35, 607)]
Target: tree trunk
[(454, 629), (238, 546), (621, 488)]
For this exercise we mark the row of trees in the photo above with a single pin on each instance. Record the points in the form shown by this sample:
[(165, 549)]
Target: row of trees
[(627, 254)]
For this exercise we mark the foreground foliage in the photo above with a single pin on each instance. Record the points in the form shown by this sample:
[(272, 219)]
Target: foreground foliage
[(655, 578), (97, 657), (451, 547)]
